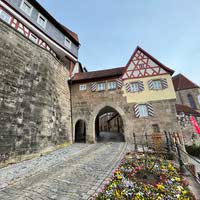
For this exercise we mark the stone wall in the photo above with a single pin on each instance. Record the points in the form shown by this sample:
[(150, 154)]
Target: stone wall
[(87, 105), (34, 96), (183, 99)]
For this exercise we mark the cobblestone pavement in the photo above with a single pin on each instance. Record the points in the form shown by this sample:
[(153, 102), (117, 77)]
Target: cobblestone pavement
[(71, 173)]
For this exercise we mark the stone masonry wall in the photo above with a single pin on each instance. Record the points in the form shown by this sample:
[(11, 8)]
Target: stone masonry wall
[(183, 99), (86, 106), (34, 96)]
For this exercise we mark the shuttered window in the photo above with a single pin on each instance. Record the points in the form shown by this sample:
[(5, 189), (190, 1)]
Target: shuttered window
[(112, 85), (135, 87), (143, 110), (157, 85), (101, 86)]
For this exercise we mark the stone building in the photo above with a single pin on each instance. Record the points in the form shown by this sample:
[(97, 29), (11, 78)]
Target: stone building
[(187, 104), (38, 55), (141, 93), (48, 98)]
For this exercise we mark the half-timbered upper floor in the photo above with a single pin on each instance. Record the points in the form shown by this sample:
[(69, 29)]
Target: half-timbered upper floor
[(35, 23)]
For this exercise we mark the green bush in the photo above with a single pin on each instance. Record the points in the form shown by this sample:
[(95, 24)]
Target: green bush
[(193, 150)]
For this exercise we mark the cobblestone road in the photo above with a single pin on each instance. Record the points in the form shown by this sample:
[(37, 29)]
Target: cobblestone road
[(71, 173)]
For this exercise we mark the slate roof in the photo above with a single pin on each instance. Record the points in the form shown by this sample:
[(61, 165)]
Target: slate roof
[(182, 83), (96, 75), (62, 28), (187, 110)]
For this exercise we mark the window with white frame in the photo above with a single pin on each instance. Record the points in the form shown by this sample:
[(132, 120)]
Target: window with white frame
[(101, 86), (135, 87), (157, 84), (143, 110), (26, 7), (33, 38), (5, 16), (42, 21), (68, 43), (82, 87), (112, 85)]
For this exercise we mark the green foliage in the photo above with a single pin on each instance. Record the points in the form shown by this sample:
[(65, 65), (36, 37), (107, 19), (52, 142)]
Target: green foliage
[(193, 150)]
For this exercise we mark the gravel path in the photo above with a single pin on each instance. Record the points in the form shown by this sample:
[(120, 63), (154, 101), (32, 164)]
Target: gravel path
[(74, 172)]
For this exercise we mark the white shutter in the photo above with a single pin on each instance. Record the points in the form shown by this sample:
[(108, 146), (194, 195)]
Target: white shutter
[(128, 87), (164, 83), (119, 83), (150, 84), (93, 87), (136, 110), (141, 85), (150, 110)]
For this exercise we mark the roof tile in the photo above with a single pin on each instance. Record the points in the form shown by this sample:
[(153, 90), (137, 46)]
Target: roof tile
[(182, 83)]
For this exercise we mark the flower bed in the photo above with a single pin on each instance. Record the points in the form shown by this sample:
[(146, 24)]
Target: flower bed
[(142, 177)]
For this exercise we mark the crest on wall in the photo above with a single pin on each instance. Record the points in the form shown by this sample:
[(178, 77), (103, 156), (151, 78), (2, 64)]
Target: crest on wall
[(141, 65)]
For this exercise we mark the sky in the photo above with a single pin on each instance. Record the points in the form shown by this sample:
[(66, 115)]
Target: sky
[(110, 30)]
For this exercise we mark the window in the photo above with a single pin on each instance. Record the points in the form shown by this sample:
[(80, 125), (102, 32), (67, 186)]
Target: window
[(42, 21), (199, 98), (112, 85), (157, 85), (191, 101), (101, 86), (143, 110), (156, 128), (141, 66), (33, 38), (5, 16), (68, 43), (82, 87), (26, 7), (135, 87)]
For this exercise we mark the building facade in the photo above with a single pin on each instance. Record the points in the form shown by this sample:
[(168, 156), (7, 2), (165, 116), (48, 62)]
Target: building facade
[(141, 93), (35, 23), (187, 105), (48, 98)]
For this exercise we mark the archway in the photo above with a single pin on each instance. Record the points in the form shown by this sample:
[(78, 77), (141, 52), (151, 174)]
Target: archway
[(109, 126), (80, 131)]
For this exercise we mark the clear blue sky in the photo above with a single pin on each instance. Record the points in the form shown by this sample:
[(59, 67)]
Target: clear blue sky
[(109, 31)]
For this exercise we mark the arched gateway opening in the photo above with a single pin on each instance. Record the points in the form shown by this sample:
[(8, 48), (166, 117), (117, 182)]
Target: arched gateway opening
[(80, 131), (109, 126)]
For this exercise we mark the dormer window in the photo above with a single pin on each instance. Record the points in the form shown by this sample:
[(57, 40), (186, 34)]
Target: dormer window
[(42, 21), (26, 7), (68, 43)]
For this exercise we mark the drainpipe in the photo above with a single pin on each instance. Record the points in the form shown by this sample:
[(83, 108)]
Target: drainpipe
[(70, 93)]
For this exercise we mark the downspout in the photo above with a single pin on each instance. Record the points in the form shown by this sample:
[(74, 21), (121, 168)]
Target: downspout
[(70, 93)]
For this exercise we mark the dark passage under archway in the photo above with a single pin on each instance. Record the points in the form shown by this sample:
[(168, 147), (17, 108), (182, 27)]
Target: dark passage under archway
[(109, 126), (80, 131)]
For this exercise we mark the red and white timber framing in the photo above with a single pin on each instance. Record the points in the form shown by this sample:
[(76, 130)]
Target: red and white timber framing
[(27, 29), (141, 66)]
